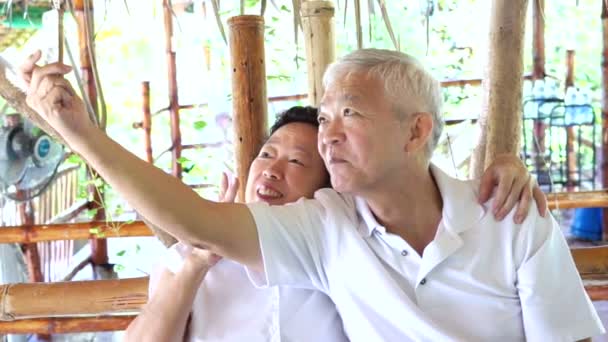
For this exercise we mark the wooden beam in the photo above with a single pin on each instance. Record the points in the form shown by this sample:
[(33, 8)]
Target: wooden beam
[(64, 325), (176, 139), (320, 43), (99, 297), (249, 99), (538, 39), (604, 165), (147, 121), (591, 262), (582, 199), (73, 231)]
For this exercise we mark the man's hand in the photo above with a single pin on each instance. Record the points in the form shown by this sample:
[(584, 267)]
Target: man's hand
[(52, 96), (514, 186)]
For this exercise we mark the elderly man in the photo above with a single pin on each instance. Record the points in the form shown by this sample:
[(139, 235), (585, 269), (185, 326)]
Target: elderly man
[(405, 252)]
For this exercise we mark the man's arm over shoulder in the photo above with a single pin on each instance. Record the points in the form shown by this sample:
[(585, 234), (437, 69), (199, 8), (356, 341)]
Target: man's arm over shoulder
[(554, 303)]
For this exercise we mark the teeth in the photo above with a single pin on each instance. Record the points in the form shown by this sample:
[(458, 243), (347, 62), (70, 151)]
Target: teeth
[(268, 192)]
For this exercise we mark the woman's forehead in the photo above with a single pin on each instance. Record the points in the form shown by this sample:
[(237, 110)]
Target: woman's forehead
[(299, 135)]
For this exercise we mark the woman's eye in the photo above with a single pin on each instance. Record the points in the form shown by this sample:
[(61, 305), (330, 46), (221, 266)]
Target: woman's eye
[(264, 155), (296, 161), (348, 112), (321, 120)]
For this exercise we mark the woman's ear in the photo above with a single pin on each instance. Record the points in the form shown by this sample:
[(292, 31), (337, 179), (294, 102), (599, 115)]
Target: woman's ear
[(420, 127)]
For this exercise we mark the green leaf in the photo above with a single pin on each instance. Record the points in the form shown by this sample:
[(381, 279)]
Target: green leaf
[(118, 268), (74, 159), (92, 212), (94, 231), (98, 182), (182, 160), (137, 248), (121, 253), (199, 125)]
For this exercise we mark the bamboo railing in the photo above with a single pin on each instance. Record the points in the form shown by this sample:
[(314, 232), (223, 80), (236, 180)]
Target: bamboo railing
[(39, 307), (63, 325)]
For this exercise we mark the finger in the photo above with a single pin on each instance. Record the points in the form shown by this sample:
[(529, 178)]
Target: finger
[(541, 199), (232, 190), (523, 206), (486, 186), (519, 186), (25, 70), (223, 186), (57, 100), (503, 190), (39, 73), (508, 205)]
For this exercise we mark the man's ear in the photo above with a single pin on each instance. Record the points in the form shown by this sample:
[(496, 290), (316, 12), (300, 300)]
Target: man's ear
[(421, 127)]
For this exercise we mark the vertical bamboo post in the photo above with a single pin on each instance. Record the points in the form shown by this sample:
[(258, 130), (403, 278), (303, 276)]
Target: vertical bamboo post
[(570, 154), (605, 109), (538, 72), (538, 39), (147, 122), (320, 42), (32, 256), (502, 86), (249, 98), (99, 247), (176, 139)]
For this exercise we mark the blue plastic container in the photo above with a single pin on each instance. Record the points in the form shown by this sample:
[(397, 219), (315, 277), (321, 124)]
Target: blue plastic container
[(587, 224)]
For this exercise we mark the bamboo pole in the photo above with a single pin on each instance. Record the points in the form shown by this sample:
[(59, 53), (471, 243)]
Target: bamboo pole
[(605, 109), (73, 231), (570, 134), (249, 98), (99, 297), (591, 261), (320, 42), (176, 139), (99, 248), (32, 256), (538, 39), (579, 199), (597, 292), (501, 113), (147, 122), (64, 325)]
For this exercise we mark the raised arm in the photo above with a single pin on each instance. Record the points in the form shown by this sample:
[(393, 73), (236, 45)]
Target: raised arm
[(171, 295), (161, 198)]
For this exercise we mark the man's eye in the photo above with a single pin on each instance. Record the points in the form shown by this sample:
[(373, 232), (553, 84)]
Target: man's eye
[(348, 112), (321, 120), (264, 155), (296, 161)]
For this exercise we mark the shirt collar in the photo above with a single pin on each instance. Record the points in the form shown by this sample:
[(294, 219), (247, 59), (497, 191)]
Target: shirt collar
[(461, 209)]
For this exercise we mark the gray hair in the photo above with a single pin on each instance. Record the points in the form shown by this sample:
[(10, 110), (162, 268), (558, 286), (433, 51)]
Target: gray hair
[(401, 74)]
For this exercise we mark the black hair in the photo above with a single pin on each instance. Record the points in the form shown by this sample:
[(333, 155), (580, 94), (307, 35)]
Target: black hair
[(299, 114), (307, 115)]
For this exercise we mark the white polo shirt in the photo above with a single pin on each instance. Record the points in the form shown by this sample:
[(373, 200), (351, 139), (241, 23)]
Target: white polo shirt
[(227, 307), (478, 280)]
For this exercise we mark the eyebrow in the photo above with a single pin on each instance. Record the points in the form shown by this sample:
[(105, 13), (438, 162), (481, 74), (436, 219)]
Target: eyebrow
[(273, 142), (344, 97)]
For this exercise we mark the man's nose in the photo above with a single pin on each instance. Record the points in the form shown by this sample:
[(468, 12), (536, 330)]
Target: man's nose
[(333, 133)]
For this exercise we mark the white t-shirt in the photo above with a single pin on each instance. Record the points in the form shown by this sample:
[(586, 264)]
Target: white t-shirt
[(478, 280), (227, 307)]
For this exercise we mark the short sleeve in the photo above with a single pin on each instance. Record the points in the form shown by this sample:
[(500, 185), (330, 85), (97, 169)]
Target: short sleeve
[(555, 306), (294, 240)]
